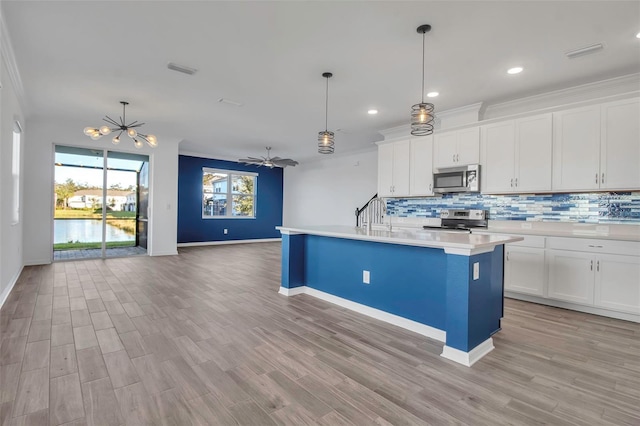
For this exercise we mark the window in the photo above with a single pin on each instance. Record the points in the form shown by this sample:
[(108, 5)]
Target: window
[(15, 173), (228, 194)]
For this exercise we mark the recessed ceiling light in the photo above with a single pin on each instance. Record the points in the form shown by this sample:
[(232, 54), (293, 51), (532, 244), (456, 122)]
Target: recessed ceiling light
[(432, 94), (515, 70), (372, 112)]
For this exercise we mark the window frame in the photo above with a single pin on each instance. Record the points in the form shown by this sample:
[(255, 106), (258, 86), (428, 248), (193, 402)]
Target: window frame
[(229, 193)]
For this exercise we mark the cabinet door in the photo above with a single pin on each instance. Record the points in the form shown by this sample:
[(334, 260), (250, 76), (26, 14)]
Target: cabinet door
[(498, 156), (534, 136), (421, 181), (468, 146), (524, 270), (571, 276), (385, 170), (401, 164), (445, 150), (617, 283), (576, 149), (620, 145)]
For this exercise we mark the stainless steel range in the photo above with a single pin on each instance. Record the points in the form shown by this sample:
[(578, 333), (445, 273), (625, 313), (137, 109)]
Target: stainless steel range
[(459, 220)]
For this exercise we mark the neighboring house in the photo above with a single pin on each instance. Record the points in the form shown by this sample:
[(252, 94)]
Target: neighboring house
[(130, 203), (92, 199)]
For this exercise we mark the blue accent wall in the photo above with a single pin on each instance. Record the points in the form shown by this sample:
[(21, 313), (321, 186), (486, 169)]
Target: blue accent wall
[(595, 207), (193, 228)]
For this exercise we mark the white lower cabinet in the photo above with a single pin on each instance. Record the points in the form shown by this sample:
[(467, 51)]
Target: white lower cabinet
[(571, 276), (601, 275), (617, 284), (524, 270)]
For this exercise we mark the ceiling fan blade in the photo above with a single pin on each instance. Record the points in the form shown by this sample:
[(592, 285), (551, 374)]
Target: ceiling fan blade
[(251, 160), (275, 158), (284, 162)]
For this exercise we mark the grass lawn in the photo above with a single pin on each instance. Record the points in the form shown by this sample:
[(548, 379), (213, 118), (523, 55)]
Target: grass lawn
[(80, 246), (91, 214)]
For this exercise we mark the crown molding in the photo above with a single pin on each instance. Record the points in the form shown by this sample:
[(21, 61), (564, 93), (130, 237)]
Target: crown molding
[(10, 61), (626, 84)]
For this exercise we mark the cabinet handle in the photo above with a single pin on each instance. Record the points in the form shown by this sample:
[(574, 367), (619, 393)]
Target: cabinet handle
[(598, 266), (457, 157), (594, 246), (596, 178), (512, 182), (454, 158), (516, 182), (602, 178), (507, 256), (430, 185), (591, 265)]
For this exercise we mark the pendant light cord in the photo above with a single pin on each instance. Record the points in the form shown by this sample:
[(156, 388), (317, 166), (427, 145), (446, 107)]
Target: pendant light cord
[(326, 108), (423, 37)]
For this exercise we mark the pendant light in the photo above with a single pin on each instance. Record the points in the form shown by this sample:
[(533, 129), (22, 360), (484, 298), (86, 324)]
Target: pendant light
[(122, 127), (326, 143), (422, 113)]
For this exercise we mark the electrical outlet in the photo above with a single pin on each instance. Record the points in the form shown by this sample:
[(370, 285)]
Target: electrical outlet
[(226, 231), (476, 271), (366, 277)]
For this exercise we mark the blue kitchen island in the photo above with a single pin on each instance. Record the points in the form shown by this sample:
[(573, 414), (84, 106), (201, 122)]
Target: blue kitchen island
[(446, 286)]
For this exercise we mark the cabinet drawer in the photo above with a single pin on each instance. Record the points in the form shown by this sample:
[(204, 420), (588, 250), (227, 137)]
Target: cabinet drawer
[(535, 241), (630, 248)]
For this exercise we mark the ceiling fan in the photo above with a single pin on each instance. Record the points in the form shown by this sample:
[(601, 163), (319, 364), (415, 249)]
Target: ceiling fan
[(269, 161)]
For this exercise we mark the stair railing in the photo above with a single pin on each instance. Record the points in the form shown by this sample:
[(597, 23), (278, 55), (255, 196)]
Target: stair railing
[(369, 213)]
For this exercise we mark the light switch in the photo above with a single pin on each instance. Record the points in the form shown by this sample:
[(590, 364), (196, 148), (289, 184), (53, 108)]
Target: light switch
[(476, 271), (365, 277)]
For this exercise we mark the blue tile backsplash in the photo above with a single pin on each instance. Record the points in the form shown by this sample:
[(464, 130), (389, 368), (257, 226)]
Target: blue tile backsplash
[(600, 207)]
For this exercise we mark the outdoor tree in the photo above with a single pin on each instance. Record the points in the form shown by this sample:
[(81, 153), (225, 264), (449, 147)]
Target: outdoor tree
[(244, 203), (65, 190)]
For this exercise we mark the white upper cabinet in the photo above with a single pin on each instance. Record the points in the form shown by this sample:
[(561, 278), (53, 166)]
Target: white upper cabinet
[(456, 148), (576, 149), (516, 155), (393, 169), (421, 180), (620, 145)]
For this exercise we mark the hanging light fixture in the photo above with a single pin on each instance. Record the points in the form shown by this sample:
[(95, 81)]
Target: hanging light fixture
[(422, 114), (129, 129), (326, 143)]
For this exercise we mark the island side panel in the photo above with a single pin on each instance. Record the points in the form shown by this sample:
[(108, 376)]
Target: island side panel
[(474, 306), (407, 281), (293, 261)]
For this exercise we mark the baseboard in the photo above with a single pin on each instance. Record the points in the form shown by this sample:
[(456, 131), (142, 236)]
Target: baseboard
[(573, 306), (37, 262), (165, 253), (468, 358), (407, 324), (12, 283), (217, 243)]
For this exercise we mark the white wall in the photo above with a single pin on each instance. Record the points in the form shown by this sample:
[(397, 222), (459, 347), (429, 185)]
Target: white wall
[(38, 205), (327, 192), (10, 233)]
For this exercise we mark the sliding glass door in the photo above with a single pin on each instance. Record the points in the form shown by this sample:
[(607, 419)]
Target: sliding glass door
[(96, 203)]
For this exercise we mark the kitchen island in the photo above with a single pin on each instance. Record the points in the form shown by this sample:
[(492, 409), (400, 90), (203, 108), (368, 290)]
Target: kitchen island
[(446, 286)]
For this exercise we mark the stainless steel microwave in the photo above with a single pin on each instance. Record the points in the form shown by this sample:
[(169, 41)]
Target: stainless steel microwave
[(457, 179)]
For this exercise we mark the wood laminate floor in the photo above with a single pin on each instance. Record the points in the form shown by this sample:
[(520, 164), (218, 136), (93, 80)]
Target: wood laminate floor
[(204, 338)]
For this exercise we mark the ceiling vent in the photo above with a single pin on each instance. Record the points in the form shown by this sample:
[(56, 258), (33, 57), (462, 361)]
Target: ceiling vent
[(181, 68), (587, 50), (230, 102)]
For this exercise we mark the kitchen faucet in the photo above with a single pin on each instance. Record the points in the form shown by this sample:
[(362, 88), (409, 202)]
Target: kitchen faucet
[(382, 205)]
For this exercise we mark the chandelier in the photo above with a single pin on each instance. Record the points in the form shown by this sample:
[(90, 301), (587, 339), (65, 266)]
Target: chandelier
[(326, 144), (122, 127), (422, 114)]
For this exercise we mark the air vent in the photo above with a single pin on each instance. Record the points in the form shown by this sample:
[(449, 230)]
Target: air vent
[(587, 50), (181, 68)]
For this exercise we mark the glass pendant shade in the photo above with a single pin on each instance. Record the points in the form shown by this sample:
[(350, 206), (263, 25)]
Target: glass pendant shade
[(137, 143), (152, 141), (132, 133), (326, 143), (422, 119), (116, 140), (89, 131), (105, 130)]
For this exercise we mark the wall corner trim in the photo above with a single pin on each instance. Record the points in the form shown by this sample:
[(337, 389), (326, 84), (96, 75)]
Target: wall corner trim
[(5, 294)]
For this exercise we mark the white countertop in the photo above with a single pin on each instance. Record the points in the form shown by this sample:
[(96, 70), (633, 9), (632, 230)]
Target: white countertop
[(453, 243)]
